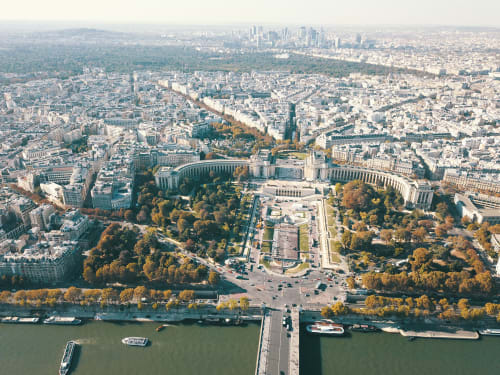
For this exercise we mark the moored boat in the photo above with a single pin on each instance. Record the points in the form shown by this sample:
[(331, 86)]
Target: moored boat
[(490, 332), (325, 327), (62, 320), (18, 320), (135, 341), (363, 328), (214, 321), (67, 358)]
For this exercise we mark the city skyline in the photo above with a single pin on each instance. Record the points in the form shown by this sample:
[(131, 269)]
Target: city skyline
[(218, 12)]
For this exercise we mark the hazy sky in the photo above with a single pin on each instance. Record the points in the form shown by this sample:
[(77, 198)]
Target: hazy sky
[(326, 12)]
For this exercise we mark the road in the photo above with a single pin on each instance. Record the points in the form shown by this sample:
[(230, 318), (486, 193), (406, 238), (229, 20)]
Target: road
[(263, 287), (279, 346)]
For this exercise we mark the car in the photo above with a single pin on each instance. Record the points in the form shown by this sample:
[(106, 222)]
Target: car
[(307, 294), (294, 305), (269, 281)]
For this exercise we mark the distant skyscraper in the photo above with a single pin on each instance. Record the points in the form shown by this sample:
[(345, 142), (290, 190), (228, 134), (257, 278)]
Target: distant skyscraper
[(302, 33)]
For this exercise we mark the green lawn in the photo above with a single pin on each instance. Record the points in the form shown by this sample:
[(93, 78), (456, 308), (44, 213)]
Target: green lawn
[(268, 233), (304, 238), (265, 263), (332, 231), (334, 256), (266, 247), (330, 215)]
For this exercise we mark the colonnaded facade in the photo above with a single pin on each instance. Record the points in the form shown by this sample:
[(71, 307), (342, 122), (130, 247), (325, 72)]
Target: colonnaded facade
[(316, 167)]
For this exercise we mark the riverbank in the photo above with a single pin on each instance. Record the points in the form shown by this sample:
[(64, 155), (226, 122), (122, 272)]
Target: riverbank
[(431, 329)]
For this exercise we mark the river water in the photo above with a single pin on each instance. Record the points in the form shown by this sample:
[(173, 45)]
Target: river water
[(180, 349), (392, 354)]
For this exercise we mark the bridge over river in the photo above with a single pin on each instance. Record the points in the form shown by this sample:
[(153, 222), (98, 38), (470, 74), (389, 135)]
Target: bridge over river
[(278, 346)]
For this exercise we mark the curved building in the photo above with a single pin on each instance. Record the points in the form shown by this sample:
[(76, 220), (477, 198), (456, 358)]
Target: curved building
[(416, 193), (170, 178)]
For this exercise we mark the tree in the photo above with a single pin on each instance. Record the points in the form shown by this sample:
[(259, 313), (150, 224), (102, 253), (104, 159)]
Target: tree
[(141, 292), (89, 275), (72, 294), (338, 188), (371, 280), (213, 278), (351, 283), (420, 257), (386, 235), (346, 239), (339, 309), (419, 234), (167, 294), (232, 304), (129, 215), (244, 303), (326, 312), (5, 296), (463, 304), (109, 295), (126, 295), (402, 235), (441, 230), (357, 196), (186, 295), (142, 216)]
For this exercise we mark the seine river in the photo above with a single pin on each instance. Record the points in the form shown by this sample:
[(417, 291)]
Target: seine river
[(392, 354), (178, 349)]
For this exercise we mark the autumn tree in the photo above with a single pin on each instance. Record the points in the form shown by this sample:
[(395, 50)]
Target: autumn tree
[(419, 234), (72, 294), (244, 303), (386, 235), (213, 278), (186, 295), (126, 295), (351, 283), (141, 292), (326, 312)]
